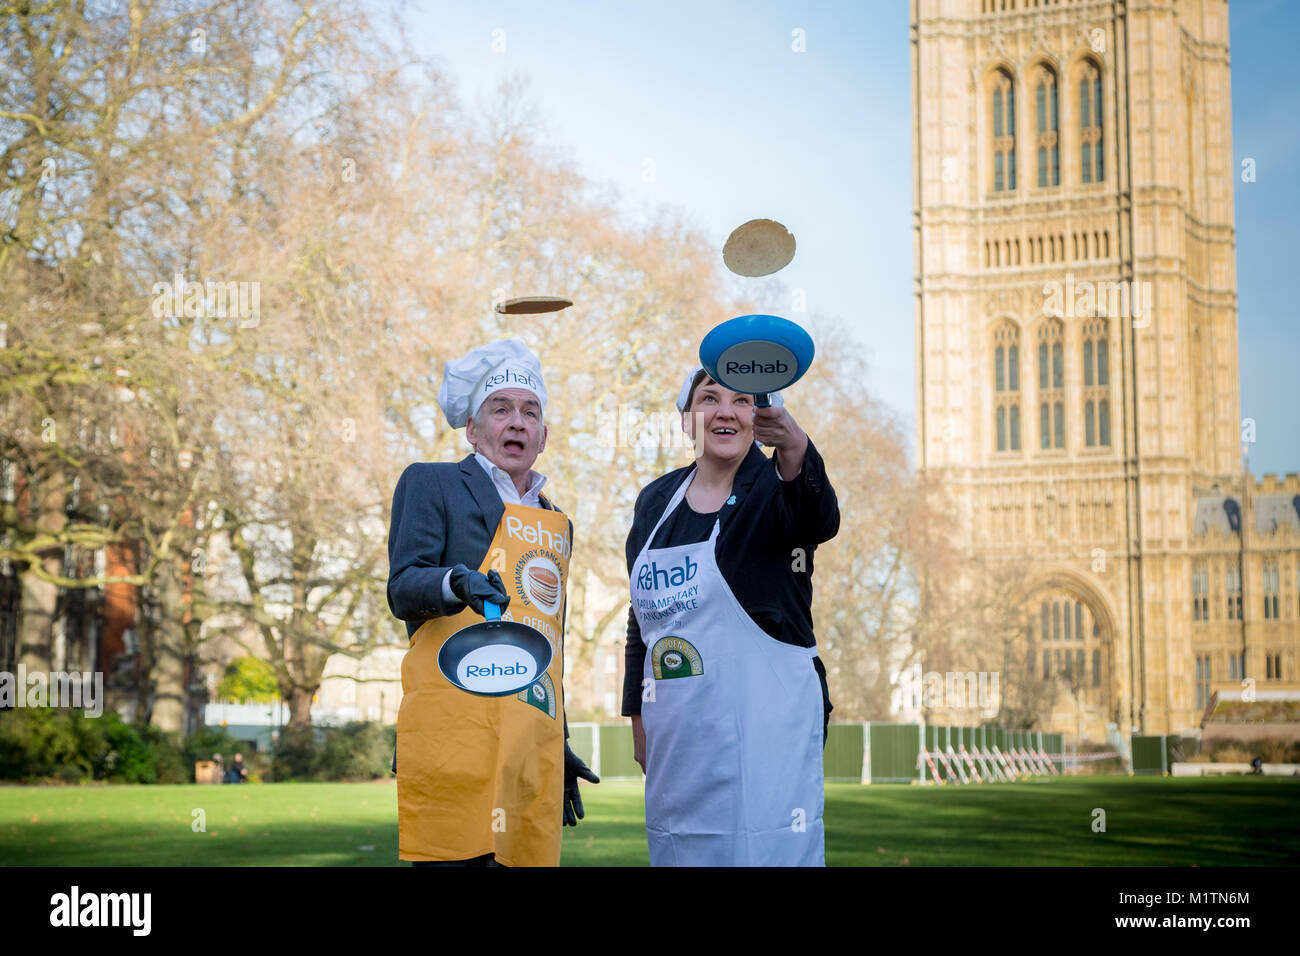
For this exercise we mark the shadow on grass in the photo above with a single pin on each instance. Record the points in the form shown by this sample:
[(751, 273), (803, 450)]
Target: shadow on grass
[(328, 824), (1149, 821)]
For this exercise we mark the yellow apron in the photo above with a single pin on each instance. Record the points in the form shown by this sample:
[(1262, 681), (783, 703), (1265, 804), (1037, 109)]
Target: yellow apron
[(478, 774)]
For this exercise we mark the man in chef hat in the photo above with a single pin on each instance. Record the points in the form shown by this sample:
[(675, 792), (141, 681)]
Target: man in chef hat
[(483, 780)]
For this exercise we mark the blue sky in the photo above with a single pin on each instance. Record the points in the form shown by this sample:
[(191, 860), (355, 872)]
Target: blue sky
[(734, 125), (1265, 104)]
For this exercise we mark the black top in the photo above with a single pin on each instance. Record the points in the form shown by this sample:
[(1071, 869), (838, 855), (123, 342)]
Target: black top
[(764, 549), (685, 526)]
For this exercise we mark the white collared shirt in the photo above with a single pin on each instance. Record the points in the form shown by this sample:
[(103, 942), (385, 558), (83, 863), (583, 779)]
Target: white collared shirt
[(505, 486)]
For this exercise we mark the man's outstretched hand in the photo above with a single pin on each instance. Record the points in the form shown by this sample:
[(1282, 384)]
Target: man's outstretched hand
[(573, 769)]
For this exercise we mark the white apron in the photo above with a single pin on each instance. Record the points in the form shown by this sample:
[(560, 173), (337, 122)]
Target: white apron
[(733, 720)]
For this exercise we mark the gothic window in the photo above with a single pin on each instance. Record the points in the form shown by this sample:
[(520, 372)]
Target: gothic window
[(1051, 386), (1200, 593), (1004, 132), (1090, 115), (1270, 592), (1096, 384), (1202, 681), (1062, 617), (1006, 386), (1232, 581), (1046, 143)]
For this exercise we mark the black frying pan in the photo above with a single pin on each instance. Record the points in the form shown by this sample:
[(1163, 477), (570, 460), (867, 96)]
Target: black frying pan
[(494, 658)]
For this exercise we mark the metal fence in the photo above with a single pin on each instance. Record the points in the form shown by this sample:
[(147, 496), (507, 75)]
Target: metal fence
[(877, 752)]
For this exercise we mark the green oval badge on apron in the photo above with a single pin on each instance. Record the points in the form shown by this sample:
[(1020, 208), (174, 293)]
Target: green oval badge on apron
[(673, 657), (540, 695)]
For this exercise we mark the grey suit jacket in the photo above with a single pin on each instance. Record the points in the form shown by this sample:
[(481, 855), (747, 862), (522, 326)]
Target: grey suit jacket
[(444, 514)]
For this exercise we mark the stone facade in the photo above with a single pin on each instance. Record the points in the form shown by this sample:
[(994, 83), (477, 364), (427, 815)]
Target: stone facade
[(1076, 346)]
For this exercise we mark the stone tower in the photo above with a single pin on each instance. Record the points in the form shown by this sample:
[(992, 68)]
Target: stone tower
[(1076, 336)]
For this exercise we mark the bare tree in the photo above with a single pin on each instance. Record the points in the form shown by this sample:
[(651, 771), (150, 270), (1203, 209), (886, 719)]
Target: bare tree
[(115, 130)]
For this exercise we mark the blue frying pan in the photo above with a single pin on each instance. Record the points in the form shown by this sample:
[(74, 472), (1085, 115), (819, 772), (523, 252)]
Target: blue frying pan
[(758, 354)]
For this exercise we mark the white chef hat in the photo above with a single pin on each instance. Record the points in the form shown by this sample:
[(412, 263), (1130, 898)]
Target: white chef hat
[(468, 381), (774, 397)]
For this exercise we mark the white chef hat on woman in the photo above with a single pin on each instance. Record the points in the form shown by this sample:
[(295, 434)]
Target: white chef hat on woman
[(685, 392), (467, 382)]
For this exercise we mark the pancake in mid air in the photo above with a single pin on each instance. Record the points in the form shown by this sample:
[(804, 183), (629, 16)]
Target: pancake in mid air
[(758, 248), (532, 304)]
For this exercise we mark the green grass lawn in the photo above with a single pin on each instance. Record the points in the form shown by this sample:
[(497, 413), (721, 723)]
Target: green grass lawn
[(1150, 821)]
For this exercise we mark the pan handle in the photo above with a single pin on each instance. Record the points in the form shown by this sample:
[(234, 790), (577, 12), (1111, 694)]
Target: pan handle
[(491, 612)]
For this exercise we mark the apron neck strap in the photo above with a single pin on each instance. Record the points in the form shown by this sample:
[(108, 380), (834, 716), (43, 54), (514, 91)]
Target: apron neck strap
[(673, 502)]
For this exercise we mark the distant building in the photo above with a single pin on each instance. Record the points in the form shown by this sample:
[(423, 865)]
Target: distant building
[(1076, 340)]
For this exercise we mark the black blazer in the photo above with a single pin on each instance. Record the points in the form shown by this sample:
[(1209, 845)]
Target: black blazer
[(444, 514)]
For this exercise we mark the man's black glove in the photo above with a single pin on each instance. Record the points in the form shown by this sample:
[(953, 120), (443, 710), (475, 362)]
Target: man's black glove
[(573, 769), (474, 587)]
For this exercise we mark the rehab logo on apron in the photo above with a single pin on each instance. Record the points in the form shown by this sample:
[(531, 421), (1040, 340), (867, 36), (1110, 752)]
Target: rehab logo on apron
[(674, 657)]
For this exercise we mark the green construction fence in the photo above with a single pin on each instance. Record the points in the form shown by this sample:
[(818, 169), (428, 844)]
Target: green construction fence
[(1153, 753)]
